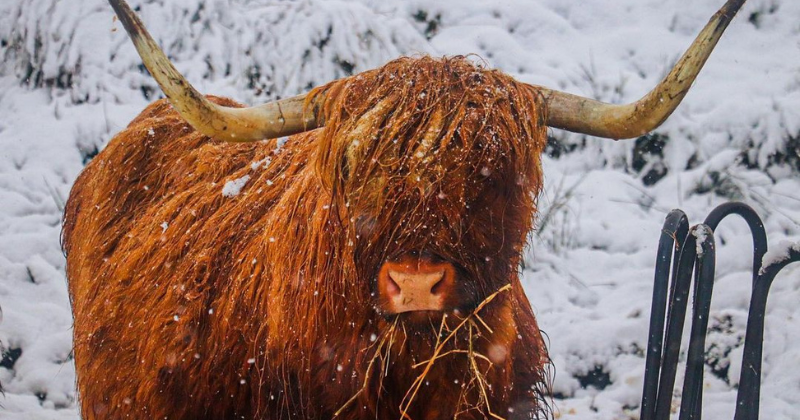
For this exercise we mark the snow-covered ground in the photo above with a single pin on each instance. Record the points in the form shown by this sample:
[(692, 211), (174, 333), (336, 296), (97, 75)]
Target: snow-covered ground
[(69, 80)]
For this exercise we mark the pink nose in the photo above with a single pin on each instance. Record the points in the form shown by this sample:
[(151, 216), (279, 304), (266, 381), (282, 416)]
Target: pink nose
[(415, 284)]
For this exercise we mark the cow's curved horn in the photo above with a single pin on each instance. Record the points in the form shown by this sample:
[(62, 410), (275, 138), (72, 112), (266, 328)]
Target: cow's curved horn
[(587, 116), (271, 120)]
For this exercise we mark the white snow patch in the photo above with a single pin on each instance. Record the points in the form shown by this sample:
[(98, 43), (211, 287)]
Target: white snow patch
[(233, 188), (701, 233), (263, 163), (778, 254)]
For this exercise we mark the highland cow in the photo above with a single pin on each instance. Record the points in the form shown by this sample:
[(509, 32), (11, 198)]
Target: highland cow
[(367, 268)]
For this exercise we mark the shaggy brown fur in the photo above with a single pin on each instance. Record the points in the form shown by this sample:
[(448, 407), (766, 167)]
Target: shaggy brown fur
[(190, 304)]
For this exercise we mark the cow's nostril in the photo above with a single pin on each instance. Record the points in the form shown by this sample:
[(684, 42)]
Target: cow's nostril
[(392, 289), (438, 287)]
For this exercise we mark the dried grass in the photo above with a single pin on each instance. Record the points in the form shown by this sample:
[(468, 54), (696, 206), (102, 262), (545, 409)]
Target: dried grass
[(478, 379), (477, 375)]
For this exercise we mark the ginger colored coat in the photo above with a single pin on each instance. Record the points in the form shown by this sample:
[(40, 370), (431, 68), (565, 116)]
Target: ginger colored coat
[(259, 303)]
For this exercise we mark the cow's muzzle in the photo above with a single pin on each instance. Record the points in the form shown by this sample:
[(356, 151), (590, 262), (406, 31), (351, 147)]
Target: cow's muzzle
[(416, 283)]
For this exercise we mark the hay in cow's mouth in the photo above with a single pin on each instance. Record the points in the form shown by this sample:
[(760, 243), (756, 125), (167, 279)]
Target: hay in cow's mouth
[(473, 324), (423, 323)]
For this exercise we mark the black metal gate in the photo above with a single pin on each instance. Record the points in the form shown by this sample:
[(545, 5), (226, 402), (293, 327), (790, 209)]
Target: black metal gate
[(682, 251)]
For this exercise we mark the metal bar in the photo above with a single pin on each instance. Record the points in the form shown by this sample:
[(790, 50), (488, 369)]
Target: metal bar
[(691, 403), (674, 329), (748, 396), (753, 221), (675, 228)]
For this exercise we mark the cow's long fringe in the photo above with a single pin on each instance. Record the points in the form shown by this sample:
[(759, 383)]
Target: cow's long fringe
[(260, 304)]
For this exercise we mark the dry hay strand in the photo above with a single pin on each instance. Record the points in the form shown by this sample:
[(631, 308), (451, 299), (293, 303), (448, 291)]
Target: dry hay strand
[(382, 352), (384, 346), (478, 377)]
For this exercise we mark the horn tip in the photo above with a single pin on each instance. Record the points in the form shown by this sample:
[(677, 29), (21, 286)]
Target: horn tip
[(130, 22)]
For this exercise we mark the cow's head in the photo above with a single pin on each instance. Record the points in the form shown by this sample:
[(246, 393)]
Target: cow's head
[(434, 168)]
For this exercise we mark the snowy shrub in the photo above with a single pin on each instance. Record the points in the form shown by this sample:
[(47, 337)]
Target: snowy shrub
[(278, 49), (271, 49), (722, 339), (648, 157)]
